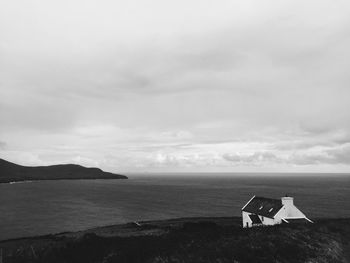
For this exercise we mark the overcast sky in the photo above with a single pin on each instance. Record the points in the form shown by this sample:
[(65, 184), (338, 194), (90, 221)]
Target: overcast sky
[(158, 85)]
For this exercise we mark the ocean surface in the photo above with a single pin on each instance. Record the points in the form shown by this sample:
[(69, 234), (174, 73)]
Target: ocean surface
[(43, 207)]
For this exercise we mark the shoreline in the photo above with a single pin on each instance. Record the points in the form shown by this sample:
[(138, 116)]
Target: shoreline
[(59, 179), (11, 172)]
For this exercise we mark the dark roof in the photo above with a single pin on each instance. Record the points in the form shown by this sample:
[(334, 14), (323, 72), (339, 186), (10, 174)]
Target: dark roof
[(263, 206), (255, 219)]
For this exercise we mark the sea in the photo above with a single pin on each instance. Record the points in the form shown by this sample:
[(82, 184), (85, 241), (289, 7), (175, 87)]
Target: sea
[(44, 207)]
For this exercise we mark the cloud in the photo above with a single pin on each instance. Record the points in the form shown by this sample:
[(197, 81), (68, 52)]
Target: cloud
[(252, 159), (3, 145), (244, 83), (308, 140), (339, 155)]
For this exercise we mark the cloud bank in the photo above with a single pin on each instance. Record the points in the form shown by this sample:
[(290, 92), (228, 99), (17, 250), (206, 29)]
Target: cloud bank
[(176, 86)]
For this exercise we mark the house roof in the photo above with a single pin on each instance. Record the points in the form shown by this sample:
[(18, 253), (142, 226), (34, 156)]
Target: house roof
[(267, 207), (255, 219)]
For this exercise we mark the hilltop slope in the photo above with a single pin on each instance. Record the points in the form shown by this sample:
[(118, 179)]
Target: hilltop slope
[(189, 240), (10, 172)]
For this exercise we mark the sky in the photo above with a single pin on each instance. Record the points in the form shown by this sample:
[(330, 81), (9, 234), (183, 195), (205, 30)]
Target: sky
[(176, 86)]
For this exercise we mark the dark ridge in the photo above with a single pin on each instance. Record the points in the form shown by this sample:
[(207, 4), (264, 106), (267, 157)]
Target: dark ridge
[(188, 240), (11, 172)]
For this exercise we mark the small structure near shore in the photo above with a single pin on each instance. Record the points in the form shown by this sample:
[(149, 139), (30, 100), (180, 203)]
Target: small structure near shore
[(260, 211)]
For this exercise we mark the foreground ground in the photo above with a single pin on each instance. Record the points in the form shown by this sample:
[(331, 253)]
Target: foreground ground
[(188, 240)]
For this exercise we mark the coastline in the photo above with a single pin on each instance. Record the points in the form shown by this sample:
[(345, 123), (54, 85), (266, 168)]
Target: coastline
[(59, 179), (11, 172)]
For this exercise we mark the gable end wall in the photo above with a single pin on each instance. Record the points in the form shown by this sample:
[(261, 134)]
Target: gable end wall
[(265, 220)]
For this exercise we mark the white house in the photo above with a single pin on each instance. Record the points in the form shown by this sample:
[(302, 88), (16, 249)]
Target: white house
[(266, 211)]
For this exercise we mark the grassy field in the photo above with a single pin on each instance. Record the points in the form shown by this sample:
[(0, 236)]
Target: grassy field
[(188, 240)]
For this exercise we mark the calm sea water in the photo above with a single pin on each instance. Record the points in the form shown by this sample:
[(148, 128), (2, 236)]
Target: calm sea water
[(43, 207)]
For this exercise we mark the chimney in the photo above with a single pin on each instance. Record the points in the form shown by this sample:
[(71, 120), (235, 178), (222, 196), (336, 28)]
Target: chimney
[(287, 201)]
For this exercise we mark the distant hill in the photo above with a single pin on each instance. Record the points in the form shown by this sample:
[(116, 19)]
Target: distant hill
[(10, 172)]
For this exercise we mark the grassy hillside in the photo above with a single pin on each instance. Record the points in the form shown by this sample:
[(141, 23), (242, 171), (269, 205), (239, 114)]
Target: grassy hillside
[(10, 172), (189, 240)]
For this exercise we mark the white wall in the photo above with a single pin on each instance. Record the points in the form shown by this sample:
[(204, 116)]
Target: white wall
[(246, 219), (265, 220), (289, 211)]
